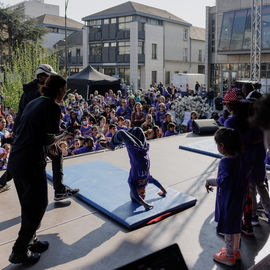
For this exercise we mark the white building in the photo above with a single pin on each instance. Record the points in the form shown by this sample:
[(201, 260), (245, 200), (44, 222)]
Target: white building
[(55, 26), (141, 44), (36, 8)]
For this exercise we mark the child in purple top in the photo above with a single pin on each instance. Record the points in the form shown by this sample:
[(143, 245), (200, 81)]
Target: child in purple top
[(111, 131), (193, 116), (160, 115), (231, 194), (88, 147), (223, 117), (124, 110), (85, 127), (120, 124), (139, 175), (171, 130)]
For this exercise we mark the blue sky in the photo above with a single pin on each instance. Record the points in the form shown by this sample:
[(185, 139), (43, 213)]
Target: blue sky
[(192, 11)]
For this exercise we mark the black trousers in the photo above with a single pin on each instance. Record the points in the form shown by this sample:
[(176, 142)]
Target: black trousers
[(57, 168), (31, 186)]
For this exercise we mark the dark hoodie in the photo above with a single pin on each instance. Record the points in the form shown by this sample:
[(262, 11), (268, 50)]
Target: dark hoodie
[(30, 92)]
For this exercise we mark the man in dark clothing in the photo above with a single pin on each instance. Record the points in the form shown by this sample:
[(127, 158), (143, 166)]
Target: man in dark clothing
[(210, 97), (31, 92), (218, 103)]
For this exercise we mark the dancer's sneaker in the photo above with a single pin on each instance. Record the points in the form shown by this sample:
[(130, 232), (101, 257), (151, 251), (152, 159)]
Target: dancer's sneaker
[(68, 193), (221, 257), (5, 187), (27, 258), (39, 246)]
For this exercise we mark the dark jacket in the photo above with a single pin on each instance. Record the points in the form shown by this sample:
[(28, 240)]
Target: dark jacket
[(30, 92)]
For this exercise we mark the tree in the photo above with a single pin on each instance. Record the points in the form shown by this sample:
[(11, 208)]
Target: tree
[(20, 69), (15, 27)]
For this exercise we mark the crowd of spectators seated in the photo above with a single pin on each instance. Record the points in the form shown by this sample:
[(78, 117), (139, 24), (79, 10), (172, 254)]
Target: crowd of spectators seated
[(99, 117)]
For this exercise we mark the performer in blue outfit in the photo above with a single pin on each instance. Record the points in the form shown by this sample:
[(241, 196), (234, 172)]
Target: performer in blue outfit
[(139, 175), (231, 194)]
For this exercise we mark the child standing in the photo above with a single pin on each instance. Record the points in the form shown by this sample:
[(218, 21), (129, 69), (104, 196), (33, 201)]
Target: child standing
[(193, 116), (139, 175), (231, 194)]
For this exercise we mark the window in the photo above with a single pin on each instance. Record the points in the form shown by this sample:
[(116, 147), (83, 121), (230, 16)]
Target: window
[(124, 73), (124, 48), (266, 27), (185, 56), (200, 56), (95, 22), (95, 25), (95, 49), (106, 44), (124, 22), (113, 20), (238, 29), (113, 44), (78, 52), (213, 34), (226, 29), (167, 77), (247, 34), (124, 26), (185, 34), (106, 21), (140, 47), (154, 51), (154, 77)]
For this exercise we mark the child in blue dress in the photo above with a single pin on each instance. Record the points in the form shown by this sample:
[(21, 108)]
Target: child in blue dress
[(139, 175), (231, 194)]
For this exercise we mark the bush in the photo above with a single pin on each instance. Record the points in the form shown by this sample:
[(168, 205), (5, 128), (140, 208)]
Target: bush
[(20, 69)]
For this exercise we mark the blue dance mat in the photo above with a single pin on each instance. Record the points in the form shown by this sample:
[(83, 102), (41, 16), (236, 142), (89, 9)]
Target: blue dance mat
[(105, 187), (206, 147)]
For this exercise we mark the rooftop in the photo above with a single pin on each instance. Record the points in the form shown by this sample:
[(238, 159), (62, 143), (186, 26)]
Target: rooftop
[(53, 21), (197, 33), (132, 8)]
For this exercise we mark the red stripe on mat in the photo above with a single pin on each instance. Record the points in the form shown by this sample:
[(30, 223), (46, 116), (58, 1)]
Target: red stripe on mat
[(159, 218)]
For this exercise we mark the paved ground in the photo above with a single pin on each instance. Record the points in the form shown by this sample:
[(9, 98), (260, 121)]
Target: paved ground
[(82, 238)]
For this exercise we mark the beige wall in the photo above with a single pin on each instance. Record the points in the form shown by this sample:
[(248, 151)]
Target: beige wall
[(174, 41), (197, 45), (153, 34)]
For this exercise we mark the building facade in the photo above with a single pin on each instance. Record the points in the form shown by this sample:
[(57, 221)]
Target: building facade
[(36, 8), (74, 52), (55, 25), (228, 40), (140, 44)]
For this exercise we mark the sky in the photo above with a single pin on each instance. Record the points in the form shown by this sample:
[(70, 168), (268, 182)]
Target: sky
[(192, 11)]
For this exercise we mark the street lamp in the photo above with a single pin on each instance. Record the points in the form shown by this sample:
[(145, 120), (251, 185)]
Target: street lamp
[(66, 56)]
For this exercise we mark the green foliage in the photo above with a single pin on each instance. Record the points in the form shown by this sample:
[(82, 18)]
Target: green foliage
[(16, 27), (24, 60)]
